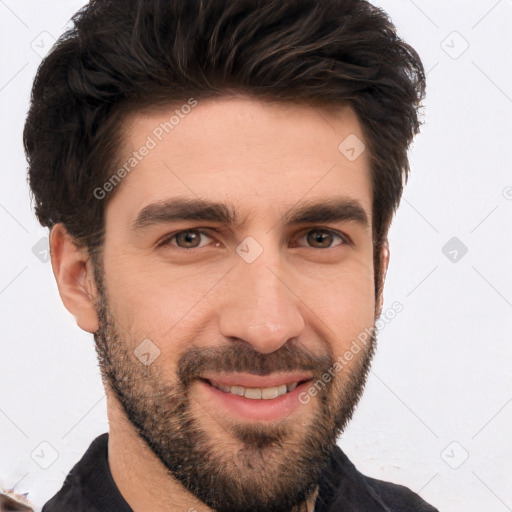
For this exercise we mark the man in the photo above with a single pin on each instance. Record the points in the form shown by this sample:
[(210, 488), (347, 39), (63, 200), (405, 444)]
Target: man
[(219, 179)]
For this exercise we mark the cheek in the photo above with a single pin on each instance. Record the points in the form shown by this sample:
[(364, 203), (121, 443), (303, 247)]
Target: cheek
[(155, 302), (346, 305)]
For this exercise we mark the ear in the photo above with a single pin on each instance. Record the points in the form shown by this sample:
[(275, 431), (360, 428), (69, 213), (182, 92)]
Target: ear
[(384, 262), (74, 273)]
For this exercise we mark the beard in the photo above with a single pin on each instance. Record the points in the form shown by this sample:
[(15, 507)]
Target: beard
[(271, 467)]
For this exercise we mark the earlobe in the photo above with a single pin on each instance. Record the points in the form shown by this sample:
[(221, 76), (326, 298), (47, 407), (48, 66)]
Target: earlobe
[(74, 273), (384, 262)]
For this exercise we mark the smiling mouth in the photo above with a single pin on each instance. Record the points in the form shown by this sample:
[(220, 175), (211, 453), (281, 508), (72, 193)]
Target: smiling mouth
[(261, 393)]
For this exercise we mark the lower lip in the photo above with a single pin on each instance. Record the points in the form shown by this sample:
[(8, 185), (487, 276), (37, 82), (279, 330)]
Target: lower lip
[(266, 410)]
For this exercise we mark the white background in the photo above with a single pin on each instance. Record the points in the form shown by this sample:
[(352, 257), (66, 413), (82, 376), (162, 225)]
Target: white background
[(440, 389)]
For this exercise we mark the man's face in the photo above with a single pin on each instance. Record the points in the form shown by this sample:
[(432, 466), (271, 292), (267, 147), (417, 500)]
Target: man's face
[(262, 304)]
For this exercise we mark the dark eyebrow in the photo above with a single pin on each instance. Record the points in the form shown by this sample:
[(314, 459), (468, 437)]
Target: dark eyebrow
[(331, 210), (186, 209)]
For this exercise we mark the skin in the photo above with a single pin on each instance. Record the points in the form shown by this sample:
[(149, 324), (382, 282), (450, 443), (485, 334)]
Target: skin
[(264, 159)]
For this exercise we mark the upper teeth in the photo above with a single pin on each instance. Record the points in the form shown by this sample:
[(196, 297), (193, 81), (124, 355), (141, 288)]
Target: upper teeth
[(257, 393)]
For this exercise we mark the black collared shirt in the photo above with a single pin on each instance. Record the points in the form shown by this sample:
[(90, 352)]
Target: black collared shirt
[(89, 487)]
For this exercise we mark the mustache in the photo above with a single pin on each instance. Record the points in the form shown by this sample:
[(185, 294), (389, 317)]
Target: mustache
[(241, 357)]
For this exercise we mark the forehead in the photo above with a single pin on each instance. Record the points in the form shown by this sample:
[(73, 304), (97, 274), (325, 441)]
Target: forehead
[(261, 157)]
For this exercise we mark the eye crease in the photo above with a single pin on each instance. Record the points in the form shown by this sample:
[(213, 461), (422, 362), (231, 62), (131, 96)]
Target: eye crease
[(312, 236)]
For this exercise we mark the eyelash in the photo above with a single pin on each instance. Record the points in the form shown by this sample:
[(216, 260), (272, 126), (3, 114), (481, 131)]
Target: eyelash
[(168, 239)]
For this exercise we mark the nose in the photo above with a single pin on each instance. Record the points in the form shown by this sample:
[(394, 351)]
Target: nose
[(261, 307)]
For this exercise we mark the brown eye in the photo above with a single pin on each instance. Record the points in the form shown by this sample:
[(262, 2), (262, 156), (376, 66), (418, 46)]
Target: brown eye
[(319, 238), (188, 239)]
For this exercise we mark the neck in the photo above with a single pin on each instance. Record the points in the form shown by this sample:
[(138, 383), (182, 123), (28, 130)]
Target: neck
[(129, 457)]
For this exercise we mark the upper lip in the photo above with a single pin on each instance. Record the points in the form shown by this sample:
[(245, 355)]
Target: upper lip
[(248, 380)]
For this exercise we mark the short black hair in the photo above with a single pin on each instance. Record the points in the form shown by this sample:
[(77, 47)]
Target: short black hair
[(125, 55)]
